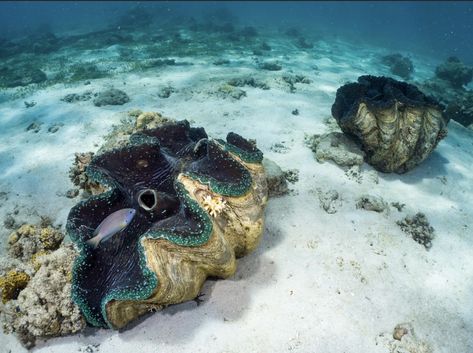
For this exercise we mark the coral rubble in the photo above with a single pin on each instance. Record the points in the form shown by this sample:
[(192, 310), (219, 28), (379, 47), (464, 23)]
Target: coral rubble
[(165, 92), (111, 96), (76, 97), (79, 177), (36, 285), (419, 228), (247, 81), (275, 178), (291, 80), (397, 125), (229, 91), (44, 308), (29, 239), (150, 120), (336, 147), (199, 206), (329, 200), (372, 203), (292, 175)]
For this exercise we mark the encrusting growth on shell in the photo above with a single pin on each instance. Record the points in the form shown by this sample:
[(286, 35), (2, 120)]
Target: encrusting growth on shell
[(214, 205)]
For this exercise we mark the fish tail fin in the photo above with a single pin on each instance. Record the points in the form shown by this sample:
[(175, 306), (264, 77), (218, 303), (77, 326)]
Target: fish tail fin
[(94, 242)]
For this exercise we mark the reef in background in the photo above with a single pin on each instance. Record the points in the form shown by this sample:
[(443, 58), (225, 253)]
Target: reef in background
[(448, 87), (399, 65)]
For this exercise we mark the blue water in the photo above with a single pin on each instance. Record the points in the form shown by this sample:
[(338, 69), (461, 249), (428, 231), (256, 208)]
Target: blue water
[(436, 28)]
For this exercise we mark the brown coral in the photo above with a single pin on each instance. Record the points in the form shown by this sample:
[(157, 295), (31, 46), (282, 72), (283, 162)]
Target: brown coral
[(50, 238), (150, 120), (11, 285)]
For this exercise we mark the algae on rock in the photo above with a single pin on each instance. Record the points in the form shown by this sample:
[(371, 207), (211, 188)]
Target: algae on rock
[(419, 228), (372, 203), (337, 147), (111, 96), (277, 183)]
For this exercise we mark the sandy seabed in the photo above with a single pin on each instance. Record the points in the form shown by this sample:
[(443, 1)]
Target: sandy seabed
[(318, 282)]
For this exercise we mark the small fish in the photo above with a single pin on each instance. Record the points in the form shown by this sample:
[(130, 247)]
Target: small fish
[(111, 225)]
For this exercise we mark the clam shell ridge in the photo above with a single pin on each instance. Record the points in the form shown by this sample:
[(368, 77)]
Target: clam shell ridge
[(396, 124), (165, 254)]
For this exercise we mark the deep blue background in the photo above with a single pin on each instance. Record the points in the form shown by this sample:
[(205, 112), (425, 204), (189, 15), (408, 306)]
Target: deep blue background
[(435, 28)]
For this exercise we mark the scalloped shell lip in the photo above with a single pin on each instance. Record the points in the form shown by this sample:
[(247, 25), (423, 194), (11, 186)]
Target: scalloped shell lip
[(146, 288), (246, 156)]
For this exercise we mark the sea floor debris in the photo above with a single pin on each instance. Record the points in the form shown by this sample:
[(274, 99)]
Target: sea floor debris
[(277, 184), (372, 203), (337, 147), (419, 228)]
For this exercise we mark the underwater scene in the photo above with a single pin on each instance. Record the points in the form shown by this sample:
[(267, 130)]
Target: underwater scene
[(236, 176)]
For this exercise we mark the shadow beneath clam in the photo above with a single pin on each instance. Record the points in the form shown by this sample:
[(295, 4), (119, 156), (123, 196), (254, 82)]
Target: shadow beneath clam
[(433, 167), (222, 301)]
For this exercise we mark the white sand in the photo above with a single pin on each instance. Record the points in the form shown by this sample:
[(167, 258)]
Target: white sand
[(318, 282)]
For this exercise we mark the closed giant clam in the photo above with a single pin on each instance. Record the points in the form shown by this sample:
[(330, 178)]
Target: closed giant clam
[(396, 125)]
